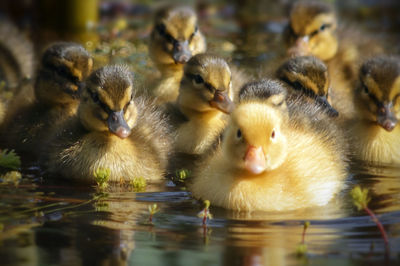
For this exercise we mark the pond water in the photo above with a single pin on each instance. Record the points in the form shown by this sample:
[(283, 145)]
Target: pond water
[(45, 221)]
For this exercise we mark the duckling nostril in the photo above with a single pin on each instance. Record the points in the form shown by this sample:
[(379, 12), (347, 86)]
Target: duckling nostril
[(114, 117), (382, 110)]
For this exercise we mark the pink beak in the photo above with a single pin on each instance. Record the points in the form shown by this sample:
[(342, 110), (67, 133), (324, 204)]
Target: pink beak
[(254, 160)]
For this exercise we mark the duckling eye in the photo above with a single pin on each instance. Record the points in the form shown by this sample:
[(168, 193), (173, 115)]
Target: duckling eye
[(95, 97), (366, 89), (323, 27), (238, 134), (193, 34), (273, 134), (198, 79)]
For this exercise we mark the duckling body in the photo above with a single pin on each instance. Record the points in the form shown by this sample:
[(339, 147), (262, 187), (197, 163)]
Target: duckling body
[(114, 129), (174, 40), (374, 132), (313, 30), (200, 113), (30, 122), (267, 160)]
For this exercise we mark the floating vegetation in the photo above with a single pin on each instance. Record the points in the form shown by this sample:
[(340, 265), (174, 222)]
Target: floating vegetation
[(181, 176), (101, 176), (9, 160), (205, 213), (11, 177), (301, 249), (138, 184), (153, 209), (360, 200)]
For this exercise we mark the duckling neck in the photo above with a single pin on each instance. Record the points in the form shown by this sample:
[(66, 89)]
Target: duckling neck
[(171, 71)]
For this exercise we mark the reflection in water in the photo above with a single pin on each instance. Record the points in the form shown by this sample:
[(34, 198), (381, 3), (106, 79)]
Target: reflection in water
[(113, 229)]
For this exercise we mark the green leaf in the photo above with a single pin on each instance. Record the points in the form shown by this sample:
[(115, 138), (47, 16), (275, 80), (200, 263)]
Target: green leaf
[(9, 159)]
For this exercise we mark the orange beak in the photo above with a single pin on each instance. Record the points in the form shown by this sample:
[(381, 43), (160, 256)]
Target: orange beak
[(254, 160)]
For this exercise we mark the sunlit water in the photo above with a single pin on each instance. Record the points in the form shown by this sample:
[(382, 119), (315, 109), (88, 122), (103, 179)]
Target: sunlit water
[(46, 221)]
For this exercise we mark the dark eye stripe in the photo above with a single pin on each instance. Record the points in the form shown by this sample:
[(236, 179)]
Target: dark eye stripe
[(96, 99), (163, 32)]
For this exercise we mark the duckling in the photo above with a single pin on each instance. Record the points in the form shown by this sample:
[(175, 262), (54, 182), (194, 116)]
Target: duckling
[(268, 159), (16, 63), (374, 132), (200, 113), (307, 75), (175, 38), (313, 30), (113, 129), (27, 124)]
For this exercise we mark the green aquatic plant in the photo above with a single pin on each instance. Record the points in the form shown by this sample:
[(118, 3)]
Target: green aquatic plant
[(301, 249), (138, 184), (9, 159), (360, 200), (101, 176), (205, 213), (181, 175), (153, 209)]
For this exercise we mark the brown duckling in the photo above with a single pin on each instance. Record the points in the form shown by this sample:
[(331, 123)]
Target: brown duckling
[(16, 63), (175, 38), (313, 30), (27, 124), (113, 129), (308, 76), (200, 113), (269, 160), (375, 132)]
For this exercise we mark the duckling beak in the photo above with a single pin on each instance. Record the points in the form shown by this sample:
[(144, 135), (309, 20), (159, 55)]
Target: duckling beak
[(300, 48), (254, 160), (181, 52), (331, 111), (222, 102), (386, 117), (118, 125)]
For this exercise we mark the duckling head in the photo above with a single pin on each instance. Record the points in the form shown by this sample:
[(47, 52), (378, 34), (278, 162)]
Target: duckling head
[(254, 140), (309, 75), (63, 68), (378, 96), (107, 101), (206, 85), (176, 36), (312, 30)]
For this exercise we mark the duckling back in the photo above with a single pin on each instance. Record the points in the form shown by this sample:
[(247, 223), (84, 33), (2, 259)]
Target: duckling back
[(269, 158)]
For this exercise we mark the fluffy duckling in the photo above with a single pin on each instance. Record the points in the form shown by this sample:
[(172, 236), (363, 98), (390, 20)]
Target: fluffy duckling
[(200, 112), (174, 40), (62, 69), (313, 30), (374, 132), (269, 160), (307, 75), (113, 129)]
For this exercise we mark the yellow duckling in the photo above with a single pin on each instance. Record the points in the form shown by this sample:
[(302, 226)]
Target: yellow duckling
[(269, 160), (27, 124), (200, 112), (174, 40), (313, 30), (308, 76), (374, 132), (113, 129)]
